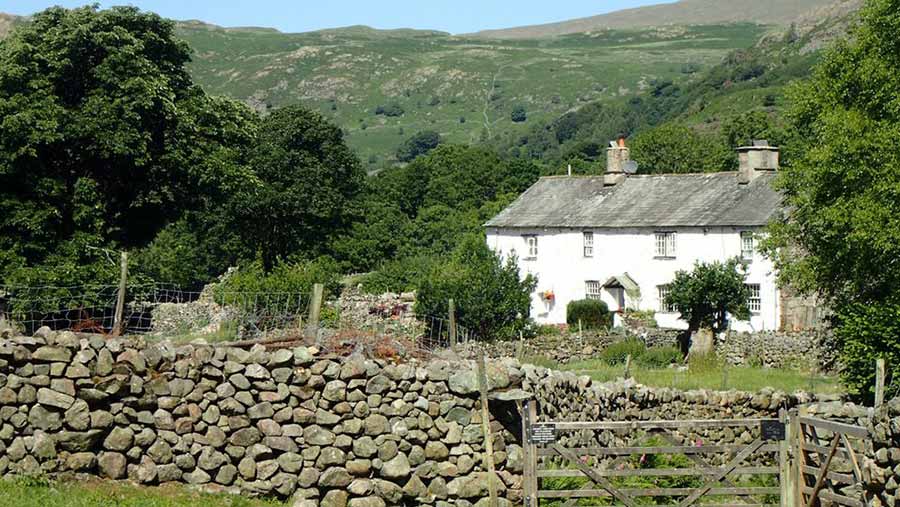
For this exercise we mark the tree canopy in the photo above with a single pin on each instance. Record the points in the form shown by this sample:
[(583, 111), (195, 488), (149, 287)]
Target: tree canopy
[(841, 237), (418, 144), (843, 191), (310, 182), (709, 294)]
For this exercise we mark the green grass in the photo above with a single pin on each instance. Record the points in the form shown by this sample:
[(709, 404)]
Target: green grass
[(717, 377), (24, 492)]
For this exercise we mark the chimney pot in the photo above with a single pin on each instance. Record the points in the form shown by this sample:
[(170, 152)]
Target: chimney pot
[(617, 155), (757, 159)]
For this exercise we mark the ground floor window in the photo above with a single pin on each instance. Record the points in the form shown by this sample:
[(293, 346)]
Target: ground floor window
[(592, 289), (663, 293), (754, 302)]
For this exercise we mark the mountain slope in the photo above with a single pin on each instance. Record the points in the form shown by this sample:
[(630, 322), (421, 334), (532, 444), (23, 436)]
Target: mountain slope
[(683, 12), (463, 88)]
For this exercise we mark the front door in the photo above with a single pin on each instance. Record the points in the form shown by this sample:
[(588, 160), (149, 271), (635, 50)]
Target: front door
[(618, 298)]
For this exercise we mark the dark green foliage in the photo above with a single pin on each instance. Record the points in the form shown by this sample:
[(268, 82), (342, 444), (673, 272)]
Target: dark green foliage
[(619, 351), (393, 109), (593, 314), (310, 182), (518, 114), (706, 296), (400, 275), (104, 140), (674, 148), (867, 333), (417, 145), (426, 207), (842, 237), (491, 300), (284, 278), (660, 357)]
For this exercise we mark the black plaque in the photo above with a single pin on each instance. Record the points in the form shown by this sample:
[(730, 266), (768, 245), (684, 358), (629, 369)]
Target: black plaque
[(543, 434), (772, 430)]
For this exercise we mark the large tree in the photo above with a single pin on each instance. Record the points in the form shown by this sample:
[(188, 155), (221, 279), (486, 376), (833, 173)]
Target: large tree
[(674, 148), (844, 191), (310, 184), (842, 233), (709, 295), (104, 139)]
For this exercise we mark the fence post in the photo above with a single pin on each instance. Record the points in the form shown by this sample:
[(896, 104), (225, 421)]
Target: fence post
[(520, 349), (628, 366), (486, 429), (797, 444), (529, 479), (120, 299), (451, 309), (315, 308), (879, 383)]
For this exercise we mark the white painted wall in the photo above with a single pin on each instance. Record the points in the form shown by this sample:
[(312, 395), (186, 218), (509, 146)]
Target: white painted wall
[(561, 267)]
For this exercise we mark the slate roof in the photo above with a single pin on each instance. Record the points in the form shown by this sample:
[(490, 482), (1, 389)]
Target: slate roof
[(671, 200)]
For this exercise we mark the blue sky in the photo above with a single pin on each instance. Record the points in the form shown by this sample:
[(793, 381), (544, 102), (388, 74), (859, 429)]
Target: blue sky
[(455, 16)]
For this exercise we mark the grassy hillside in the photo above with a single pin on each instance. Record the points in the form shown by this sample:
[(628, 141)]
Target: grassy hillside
[(682, 12), (463, 88), (749, 80)]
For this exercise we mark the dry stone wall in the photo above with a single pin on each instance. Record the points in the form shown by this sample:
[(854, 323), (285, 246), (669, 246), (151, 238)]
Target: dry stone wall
[(331, 431), (811, 349), (286, 423), (881, 470)]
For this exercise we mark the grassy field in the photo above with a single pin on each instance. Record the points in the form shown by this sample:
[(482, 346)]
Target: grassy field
[(97, 493), (716, 377), (464, 88)]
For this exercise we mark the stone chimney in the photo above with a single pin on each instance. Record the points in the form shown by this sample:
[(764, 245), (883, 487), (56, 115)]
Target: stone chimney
[(755, 160), (617, 155)]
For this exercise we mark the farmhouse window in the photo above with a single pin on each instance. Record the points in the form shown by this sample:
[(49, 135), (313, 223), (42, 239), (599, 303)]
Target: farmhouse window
[(531, 244), (748, 245), (663, 292), (665, 244), (592, 289), (588, 244), (755, 301)]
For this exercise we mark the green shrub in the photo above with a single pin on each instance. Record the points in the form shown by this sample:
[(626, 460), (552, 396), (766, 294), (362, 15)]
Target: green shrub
[(865, 333), (330, 317), (548, 330), (399, 275), (617, 352), (660, 357), (492, 300), (286, 277), (593, 314)]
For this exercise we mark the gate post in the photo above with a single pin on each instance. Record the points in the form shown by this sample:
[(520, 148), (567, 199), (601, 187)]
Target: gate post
[(787, 465), (529, 471)]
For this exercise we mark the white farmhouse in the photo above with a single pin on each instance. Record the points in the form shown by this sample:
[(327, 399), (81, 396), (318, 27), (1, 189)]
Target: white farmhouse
[(621, 237)]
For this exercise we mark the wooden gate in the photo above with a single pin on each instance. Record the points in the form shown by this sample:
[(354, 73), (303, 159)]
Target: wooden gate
[(605, 471), (828, 465)]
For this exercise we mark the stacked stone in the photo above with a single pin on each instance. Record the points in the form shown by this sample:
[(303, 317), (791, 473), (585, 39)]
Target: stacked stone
[(815, 349), (285, 423), (881, 470), (387, 313)]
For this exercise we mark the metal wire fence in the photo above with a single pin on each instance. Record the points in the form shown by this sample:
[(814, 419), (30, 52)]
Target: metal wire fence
[(158, 308), (167, 310)]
